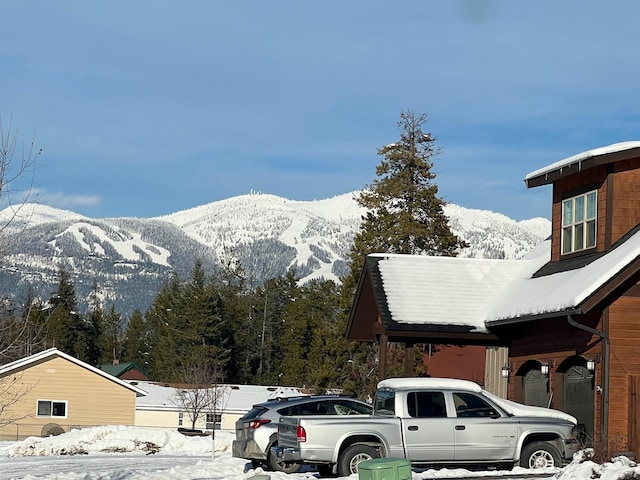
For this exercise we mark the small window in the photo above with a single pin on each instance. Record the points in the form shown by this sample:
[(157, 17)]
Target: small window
[(426, 405), (384, 402), (579, 223), (52, 408), (470, 405), (214, 422), (180, 418)]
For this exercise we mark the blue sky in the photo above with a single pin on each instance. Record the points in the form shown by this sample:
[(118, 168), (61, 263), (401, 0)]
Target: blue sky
[(144, 108)]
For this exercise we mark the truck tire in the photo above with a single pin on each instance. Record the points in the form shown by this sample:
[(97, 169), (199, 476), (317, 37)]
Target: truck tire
[(540, 455), (277, 466), (352, 456)]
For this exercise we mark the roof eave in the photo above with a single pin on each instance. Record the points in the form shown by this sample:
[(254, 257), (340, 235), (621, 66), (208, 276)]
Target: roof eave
[(549, 176)]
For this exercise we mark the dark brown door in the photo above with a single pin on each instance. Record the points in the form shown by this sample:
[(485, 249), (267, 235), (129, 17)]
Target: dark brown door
[(579, 396), (535, 388)]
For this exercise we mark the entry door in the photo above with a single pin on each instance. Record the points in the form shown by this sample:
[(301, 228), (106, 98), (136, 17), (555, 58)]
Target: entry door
[(481, 433), (428, 430), (579, 396), (534, 389)]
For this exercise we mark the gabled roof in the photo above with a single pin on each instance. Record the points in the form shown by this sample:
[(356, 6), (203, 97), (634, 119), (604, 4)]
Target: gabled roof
[(581, 162), (439, 294), (26, 362), (119, 369), (236, 398)]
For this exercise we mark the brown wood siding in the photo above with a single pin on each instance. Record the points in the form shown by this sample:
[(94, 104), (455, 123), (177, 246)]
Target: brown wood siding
[(626, 201), (618, 201), (624, 332), (91, 399), (553, 341), (569, 186), (634, 415)]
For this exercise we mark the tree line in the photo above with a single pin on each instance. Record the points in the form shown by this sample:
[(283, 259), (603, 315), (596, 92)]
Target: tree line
[(279, 332)]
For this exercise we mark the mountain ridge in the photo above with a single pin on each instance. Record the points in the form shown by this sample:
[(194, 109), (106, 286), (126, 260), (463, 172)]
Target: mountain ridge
[(129, 258)]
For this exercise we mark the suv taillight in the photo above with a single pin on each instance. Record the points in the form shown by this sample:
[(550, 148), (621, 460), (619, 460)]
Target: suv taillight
[(301, 434), (258, 423)]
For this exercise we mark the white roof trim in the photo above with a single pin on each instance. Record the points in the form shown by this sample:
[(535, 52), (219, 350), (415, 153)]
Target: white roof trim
[(580, 157), (54, 352)]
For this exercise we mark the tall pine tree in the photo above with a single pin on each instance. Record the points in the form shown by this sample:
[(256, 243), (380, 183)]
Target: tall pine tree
[(404, 215)]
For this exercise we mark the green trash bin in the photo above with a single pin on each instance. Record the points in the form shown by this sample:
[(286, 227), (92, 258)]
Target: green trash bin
[(385, 469)]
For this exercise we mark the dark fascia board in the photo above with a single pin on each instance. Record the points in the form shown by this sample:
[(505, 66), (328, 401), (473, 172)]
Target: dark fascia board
[(530, 318), (588, 304), (551, 176)]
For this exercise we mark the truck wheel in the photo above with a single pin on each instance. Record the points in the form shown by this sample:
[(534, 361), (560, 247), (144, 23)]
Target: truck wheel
[(352, 456), (540, 455), (277, 466)]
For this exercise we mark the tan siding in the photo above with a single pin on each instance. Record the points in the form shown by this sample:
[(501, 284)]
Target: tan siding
[(91, 398)]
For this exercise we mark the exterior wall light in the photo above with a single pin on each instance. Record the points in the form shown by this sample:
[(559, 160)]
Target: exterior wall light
[(504, 372), (544, 369), (591, 365)]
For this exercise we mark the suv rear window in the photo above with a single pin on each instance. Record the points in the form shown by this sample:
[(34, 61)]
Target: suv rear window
[(256, 411), (307, 408)]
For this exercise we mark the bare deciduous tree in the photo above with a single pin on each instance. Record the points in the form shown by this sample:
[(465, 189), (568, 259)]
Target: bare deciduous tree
[(12, 390), (17, 166), (200, 392)]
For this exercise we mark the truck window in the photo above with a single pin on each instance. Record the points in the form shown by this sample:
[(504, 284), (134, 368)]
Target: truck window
[(384, 403), (470, 405), (426, 405)]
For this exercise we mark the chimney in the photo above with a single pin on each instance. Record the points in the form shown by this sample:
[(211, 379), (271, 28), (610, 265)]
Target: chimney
[(116, 361)]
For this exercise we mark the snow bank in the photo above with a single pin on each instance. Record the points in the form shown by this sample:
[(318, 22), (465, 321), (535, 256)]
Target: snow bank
[(118, 439)]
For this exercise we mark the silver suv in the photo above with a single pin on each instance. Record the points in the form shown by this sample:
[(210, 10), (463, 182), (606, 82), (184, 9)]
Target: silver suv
[(257, 431)]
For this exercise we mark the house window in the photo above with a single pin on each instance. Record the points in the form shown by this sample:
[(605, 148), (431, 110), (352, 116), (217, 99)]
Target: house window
[(579, 223), (214, 421), (180, 418), (52, 408)]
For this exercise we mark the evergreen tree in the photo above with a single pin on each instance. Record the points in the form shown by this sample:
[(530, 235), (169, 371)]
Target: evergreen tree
[(110, 339), (66, 329), (136, 344), (404, 215)]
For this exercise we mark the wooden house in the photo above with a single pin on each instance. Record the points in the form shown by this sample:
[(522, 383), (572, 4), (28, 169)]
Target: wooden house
[(125, 370), (51, 392), (569, 312)]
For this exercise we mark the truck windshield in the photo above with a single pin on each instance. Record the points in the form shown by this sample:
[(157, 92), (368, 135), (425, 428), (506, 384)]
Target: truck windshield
[(384, 403)]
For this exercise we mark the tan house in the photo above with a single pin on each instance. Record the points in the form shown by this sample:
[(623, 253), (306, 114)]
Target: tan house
[(568, 313), (51, 392), (160, 408)]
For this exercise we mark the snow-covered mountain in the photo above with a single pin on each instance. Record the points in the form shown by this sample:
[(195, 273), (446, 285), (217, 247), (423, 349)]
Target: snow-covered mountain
[(128, 259)]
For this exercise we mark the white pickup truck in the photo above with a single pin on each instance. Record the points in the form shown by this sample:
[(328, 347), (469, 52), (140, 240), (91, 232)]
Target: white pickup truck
[(431, 421)]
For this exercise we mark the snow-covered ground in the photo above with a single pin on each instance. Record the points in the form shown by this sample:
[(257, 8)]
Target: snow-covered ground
[(127, 453)]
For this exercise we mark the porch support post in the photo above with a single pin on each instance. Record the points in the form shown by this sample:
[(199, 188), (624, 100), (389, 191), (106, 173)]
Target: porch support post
[(408, 359), (382, 361)]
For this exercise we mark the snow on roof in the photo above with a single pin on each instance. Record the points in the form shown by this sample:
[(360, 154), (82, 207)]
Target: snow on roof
[(423, 289), (428, 382), (564, 290), (236, 398), (580, 157)]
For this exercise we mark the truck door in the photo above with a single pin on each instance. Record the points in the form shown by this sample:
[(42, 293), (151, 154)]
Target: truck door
[(481, 433), (428, 432)]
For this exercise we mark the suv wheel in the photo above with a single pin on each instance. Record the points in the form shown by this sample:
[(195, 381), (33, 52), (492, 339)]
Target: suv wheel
[(277, 466), (540, 455)]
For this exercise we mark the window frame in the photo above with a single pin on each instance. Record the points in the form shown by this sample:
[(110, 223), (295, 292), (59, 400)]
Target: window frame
[(581, 227), (213, 421), (51, 408)]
